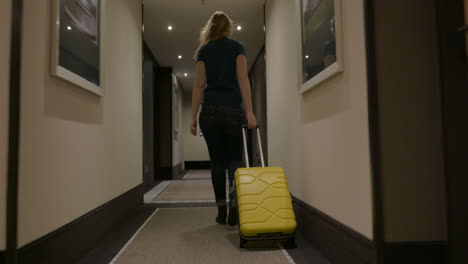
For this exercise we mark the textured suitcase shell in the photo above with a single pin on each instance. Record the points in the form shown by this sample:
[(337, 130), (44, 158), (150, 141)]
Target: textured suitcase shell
[(264, 203)]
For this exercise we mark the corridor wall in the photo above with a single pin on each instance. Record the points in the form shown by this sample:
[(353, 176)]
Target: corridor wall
[(78, 151), (321, 137), (5, 36)]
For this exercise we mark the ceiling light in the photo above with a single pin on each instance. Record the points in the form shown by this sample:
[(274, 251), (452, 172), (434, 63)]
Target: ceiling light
[(180, 57), (69, 28), (169, 28), (185, 74), (306, 56), (239, 28)]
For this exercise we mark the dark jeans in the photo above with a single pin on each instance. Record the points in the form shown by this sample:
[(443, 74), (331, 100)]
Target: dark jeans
[(222, 130)]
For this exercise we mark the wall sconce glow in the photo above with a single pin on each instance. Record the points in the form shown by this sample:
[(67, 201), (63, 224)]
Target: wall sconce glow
[(185, 74), (170, 28), (239, 28), (69, 28), (180, 57)]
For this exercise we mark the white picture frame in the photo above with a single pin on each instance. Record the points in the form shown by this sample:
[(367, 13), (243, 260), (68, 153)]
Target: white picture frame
[(67, 73), (330, 71)]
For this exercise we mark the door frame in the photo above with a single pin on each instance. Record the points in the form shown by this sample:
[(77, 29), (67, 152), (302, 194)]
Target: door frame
[(454, 97), (13, 132), (453, 82)]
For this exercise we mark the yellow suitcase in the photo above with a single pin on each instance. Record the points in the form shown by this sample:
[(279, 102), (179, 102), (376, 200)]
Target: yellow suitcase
[(264, 202)]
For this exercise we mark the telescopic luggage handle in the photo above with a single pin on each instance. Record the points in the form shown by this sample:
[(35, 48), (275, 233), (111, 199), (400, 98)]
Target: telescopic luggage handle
[(244, 136)]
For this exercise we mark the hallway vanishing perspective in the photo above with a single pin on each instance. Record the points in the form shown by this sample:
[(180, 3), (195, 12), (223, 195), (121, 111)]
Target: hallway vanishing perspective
[(362, 104), (176, 226), (184, 216)]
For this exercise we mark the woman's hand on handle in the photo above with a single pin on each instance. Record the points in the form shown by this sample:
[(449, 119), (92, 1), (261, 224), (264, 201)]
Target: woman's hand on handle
[(251, 120)]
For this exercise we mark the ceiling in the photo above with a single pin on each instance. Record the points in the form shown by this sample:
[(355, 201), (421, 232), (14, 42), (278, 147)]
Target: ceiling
[(187, 17)]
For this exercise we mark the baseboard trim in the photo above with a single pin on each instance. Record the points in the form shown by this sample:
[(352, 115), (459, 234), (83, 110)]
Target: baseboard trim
[(2, 257), (74, 240), (335, 241), (414, 252), (197, 165), (149, 187), (177, 172)]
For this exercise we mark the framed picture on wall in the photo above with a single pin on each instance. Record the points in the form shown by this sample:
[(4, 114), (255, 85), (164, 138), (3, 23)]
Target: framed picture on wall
[(321, 42), (176, 98), (76, 43)]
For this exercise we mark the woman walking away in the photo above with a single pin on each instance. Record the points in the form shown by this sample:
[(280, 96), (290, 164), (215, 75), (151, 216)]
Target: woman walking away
[(221, 78)]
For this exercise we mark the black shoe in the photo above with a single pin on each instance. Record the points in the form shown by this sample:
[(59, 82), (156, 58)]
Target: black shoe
[(232, 218), (222, 214)]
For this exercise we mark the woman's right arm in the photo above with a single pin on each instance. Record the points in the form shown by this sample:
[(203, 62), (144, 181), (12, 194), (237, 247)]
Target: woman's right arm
[(198, 87), (243, 79)]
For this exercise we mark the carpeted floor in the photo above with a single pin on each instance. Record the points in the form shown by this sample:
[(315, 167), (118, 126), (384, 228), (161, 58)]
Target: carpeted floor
[(189, 236), (188, 190), (198, 175), (183, 232)]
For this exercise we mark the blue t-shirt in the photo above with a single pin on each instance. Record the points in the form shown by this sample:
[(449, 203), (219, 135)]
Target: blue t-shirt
[(220, 57)]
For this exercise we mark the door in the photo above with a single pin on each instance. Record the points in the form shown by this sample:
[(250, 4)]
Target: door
[(156, 128), (454, 90), (164, 125), (148, 126), (151, 163)]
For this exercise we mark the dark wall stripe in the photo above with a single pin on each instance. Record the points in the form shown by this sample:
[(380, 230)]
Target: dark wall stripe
[(74, 240), (337, 242), (114, 241), (13, 131), (373, 114)]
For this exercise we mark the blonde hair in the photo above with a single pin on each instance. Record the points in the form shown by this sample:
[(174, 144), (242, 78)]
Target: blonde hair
[(217, 27)]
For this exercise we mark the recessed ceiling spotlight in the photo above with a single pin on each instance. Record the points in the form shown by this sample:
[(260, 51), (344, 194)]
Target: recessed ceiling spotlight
[(239, 28), (69, 28), (170, 28), (185, 74), (180, 57)]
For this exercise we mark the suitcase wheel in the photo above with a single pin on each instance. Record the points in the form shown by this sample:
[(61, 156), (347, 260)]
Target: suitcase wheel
[(291, 243), (242, 242)]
